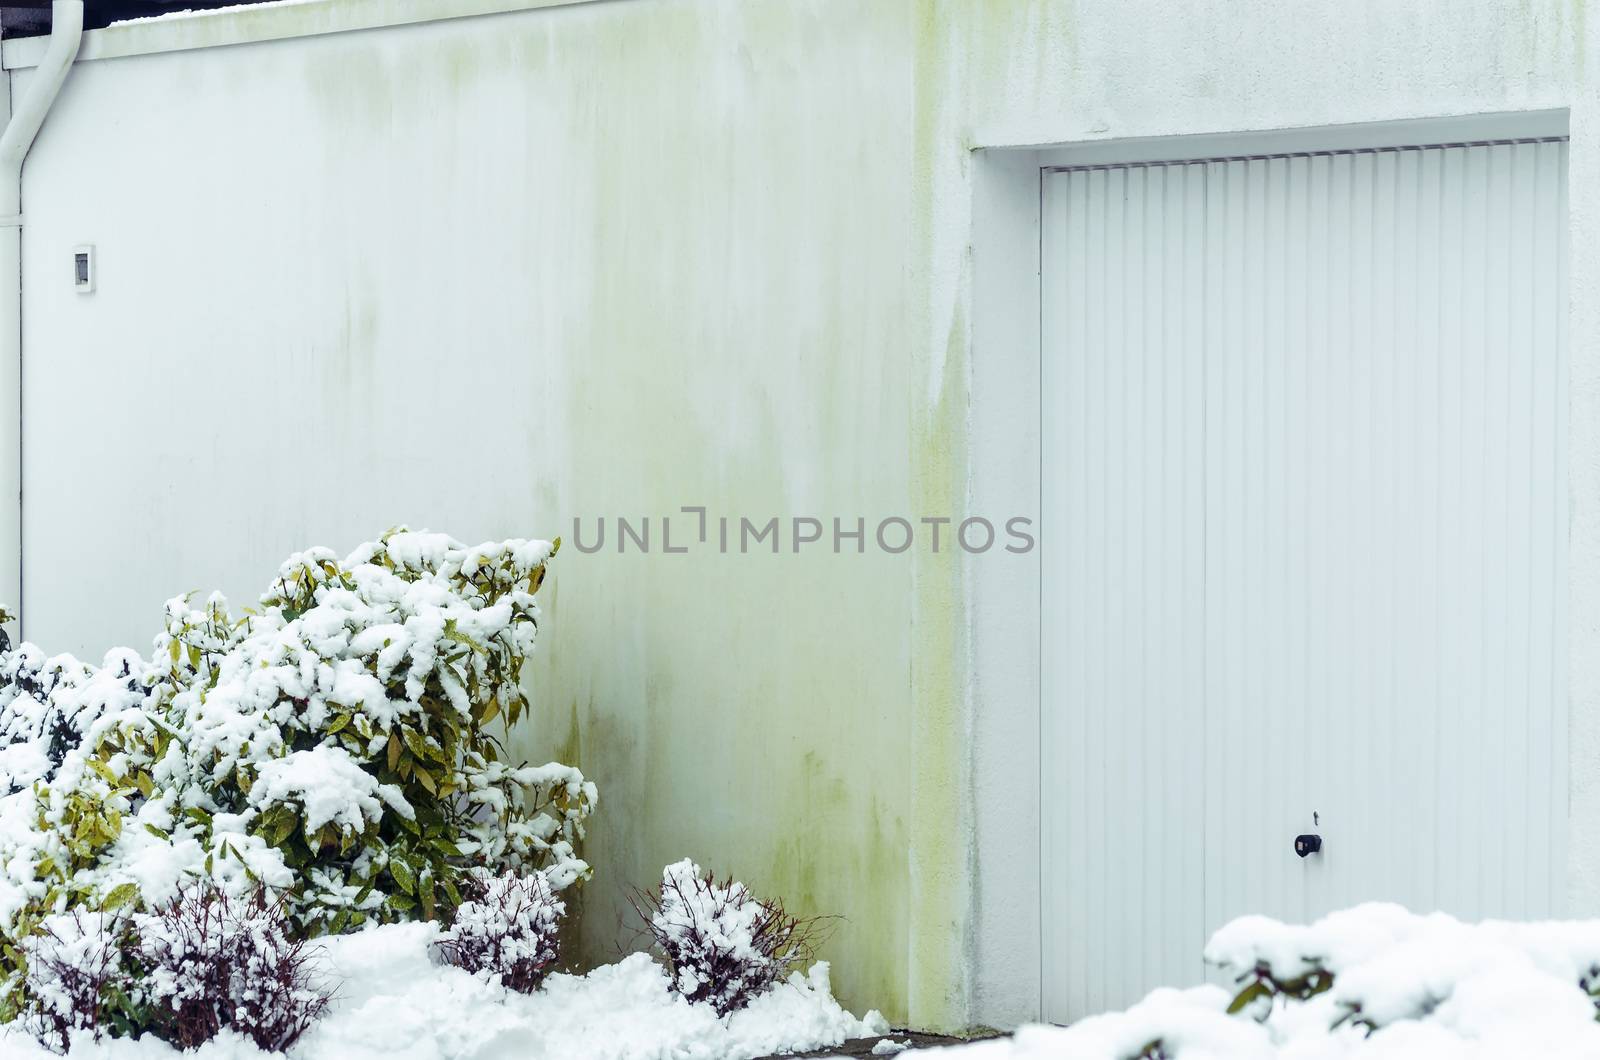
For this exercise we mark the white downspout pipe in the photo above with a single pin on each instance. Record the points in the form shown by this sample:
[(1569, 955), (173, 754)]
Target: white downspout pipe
[(66, 31)]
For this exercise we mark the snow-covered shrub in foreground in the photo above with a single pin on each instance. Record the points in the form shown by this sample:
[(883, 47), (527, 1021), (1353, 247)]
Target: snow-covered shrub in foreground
[(506, 930), (723, 945), (208, 961), (77, 978), (1379, 965), (1370, 983), (395, 1003), (336, 743)]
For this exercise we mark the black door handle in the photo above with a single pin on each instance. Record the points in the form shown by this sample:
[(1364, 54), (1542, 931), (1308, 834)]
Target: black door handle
[(1306, 845)]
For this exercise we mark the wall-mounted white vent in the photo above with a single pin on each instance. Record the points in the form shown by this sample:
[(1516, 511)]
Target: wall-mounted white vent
[(83, 269)]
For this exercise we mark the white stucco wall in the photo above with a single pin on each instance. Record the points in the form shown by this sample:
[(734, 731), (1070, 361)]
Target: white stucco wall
[(486, 276), (491, 273)]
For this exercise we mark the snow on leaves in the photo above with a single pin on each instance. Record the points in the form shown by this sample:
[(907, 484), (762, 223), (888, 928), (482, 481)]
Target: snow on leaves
[(337, 742), (507, 931), (723, 945)]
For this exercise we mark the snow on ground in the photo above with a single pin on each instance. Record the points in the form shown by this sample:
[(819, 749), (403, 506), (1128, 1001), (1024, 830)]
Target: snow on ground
[(1405, 987), (394, 1003)]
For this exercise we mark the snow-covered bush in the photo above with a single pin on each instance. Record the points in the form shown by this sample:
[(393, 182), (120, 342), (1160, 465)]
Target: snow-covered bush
[(1374, 982), (77, 977), (397, 1002), (723, 945), (1379, 964), (506, 930), (337, 743), (201, 963), (209, 961)]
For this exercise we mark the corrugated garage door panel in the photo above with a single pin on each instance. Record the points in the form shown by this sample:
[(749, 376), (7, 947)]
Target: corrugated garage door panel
[(1306, 528)]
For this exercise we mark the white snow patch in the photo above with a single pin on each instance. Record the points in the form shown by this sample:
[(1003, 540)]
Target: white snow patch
[(1404, 987), (330, 786)]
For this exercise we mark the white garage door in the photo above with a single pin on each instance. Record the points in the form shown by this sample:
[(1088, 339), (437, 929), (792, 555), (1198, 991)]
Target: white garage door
[(1305, 481)]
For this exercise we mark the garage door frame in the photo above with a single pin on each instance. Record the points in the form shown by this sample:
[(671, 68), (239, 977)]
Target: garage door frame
[(1005, 468)]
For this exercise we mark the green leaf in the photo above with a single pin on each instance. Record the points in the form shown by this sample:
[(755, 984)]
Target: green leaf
[(283, 827), (120, 895), (418, 744), (403, 876), (1257, 989)]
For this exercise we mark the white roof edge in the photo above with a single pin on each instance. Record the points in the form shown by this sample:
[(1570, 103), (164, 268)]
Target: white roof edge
[(247, 25)]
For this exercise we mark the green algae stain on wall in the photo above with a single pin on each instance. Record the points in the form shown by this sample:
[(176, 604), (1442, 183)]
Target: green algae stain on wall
[(358, 94), (570, 750), (737, 296), (940, 831), (741, 345), (941, 851), (876, 874)]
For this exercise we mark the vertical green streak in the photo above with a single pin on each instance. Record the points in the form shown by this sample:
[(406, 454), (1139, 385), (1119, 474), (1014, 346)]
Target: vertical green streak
[(940, 850)]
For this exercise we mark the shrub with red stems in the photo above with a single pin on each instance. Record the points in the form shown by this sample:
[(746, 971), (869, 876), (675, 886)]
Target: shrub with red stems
[(506, 930), (723, 945), (76, 978), (211, 961)]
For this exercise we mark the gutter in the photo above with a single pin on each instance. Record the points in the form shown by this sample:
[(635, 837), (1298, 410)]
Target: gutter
[(66, 32)]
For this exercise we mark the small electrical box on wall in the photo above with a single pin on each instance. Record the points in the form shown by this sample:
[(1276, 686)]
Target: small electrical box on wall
[(83, 270)]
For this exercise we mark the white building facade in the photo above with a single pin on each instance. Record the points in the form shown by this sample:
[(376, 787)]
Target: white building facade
[(1277, 323)]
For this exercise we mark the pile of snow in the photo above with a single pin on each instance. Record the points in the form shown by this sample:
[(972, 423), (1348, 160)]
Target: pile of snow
[(1403, 986), (394, 1002)]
